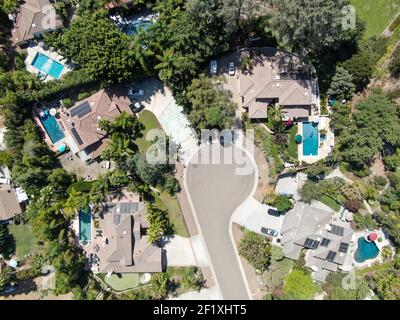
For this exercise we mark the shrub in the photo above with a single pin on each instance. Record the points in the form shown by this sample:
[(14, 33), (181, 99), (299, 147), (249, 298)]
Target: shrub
[(283, 203), (380, 181), (67, 103), (353, 205), (83, 95), (256, 250), (394, 65)]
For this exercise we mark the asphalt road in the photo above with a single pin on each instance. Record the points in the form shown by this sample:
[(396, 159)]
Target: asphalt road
[(216, 191)]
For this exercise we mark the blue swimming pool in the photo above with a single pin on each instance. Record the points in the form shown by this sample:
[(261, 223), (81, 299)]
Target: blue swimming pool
[(52, 128), (310, 139), (47, 65), (135, 25), (85, 225), (366, 250)]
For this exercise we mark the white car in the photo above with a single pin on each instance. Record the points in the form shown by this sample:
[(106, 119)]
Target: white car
[(231, 68), (213, 66), (133, 92)]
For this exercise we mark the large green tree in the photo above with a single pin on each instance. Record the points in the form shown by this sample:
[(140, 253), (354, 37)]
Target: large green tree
[(373, 127), (308, 24), (210, 105), (342, 86), (94, 43), (298, 286)]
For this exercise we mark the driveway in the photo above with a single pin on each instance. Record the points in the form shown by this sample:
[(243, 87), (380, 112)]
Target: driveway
[(184, 252), (253, 215), (159, 100), (216, 190)]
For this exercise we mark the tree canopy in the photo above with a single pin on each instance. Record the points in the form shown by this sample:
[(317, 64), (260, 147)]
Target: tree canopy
[(94, 43), (210, 105)]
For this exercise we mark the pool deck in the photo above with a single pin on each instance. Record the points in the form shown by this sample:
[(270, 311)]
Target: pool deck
[(325, 147), (53, 146), (351, 263), (31, 54)]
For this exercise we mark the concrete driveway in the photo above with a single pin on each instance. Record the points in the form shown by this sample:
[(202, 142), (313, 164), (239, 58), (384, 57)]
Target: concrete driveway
[(216, 190), (253, 215), (159, 100)]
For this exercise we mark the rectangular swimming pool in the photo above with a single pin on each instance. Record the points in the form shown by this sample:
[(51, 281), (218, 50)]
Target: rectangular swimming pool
[(310, 139), (85, 225), (47, 65), (52, 128)]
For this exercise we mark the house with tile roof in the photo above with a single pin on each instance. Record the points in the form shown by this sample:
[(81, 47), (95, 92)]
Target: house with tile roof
[(120, 243), (278, 78), (326, 239), (34, 18), (81, 122)]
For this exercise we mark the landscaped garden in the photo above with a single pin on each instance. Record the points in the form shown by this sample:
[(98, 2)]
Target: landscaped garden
[(167, 202), (121, 281), (149, 121)]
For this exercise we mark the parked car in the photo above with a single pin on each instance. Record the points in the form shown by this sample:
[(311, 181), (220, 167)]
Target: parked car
[(269, 232), (137, 107), (134, 92), (231, 68), (213, 66), (273, 212)]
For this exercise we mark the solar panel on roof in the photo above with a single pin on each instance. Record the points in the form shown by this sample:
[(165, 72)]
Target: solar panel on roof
[(337, 230), (325, 242), (343, 247), (331, 255), (81, 110), (310, 243), (76, 136)]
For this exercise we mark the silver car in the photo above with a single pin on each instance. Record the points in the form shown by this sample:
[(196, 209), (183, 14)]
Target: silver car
[(269, 232)]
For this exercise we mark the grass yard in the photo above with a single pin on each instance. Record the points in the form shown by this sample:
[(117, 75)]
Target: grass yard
[(121, 281), (170, 203), (330, 203), (376, 14), (149, 120), (292, 145), (24, 239)]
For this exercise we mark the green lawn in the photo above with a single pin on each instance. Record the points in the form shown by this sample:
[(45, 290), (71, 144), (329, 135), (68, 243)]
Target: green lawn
[(292, 145), (149, 120), (24, 239), (330, 203), (170, 203), (376, 14), (121, 281)]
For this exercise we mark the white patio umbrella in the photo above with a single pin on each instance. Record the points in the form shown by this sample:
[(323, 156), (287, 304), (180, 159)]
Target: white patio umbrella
[(53, 112)]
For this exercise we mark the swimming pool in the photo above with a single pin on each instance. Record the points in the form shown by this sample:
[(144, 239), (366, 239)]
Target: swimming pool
[(310, 139), (85, 225), (135, 25), (366, 250), (47, 65), (52, 128)]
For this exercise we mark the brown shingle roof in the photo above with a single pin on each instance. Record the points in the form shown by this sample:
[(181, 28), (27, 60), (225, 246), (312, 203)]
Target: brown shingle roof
[(32, 18)]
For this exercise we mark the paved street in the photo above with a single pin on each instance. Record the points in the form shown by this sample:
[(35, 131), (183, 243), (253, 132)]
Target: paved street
[(216, 191)]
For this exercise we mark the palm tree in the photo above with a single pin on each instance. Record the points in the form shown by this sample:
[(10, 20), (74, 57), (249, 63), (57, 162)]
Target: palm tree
[(155, 230), (159, 284)]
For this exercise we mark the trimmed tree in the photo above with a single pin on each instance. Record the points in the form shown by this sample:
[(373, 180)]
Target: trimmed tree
[(342, 86)]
